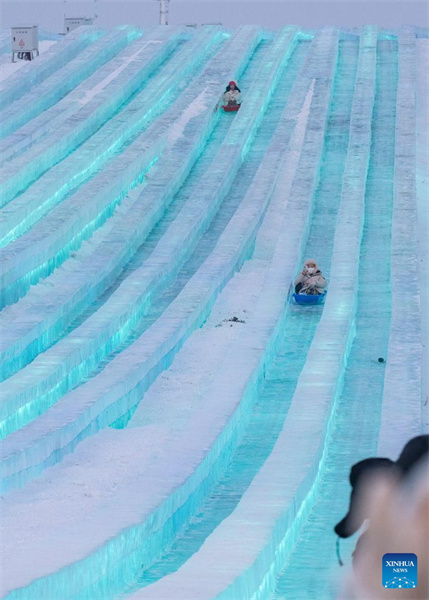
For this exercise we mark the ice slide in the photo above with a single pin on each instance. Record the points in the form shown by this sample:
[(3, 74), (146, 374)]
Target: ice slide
[(156, 302)]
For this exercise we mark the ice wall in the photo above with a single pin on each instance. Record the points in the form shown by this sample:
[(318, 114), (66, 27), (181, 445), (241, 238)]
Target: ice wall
[(49, 92), (166, 338), (402, 398), (32, 74)]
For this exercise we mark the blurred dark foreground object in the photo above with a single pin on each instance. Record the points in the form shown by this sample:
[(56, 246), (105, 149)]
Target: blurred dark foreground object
[(398, 513), (368, 469)]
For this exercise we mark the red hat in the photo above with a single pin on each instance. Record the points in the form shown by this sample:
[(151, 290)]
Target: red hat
[(233, 83)]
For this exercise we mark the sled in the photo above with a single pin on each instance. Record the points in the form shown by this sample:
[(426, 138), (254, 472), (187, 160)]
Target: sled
[(309, 299), (231, 108)]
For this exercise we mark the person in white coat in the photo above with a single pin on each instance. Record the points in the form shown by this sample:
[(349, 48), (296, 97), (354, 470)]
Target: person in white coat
[(232, 94), (310, 280)]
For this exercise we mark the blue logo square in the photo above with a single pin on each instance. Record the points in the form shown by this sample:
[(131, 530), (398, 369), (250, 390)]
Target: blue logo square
[(399, 571)]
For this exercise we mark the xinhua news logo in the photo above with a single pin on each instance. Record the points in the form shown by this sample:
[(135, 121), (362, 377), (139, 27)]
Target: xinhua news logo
[(399, 571)]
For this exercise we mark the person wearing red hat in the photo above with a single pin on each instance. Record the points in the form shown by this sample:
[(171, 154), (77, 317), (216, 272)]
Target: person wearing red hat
[(232, 94)]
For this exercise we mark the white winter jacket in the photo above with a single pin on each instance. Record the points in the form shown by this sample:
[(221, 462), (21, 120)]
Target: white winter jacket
[(315, 281), (232, 96)]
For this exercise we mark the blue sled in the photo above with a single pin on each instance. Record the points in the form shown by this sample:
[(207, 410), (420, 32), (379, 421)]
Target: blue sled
[(309, 299)]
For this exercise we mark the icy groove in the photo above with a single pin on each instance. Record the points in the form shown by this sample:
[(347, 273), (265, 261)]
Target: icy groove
[(43, 124), (402, 420), (422, 193), (64, 229), (180, 326), (196, 252), (49, 62), (172, 330), (269, 411), (272, 501), (68, 225), (133, 538), (360, 400), (185, 451), (259, 344), (150, 204), (224, 490), (58, 85), (244, 183), (130, 227), (112, 138), (148, 54)]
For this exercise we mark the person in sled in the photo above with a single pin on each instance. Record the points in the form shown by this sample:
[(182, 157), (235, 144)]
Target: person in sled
[(310, 281), (232, 94)]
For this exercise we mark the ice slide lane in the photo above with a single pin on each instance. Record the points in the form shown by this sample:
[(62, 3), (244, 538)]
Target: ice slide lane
[(127, 230), (219, 215), (39, 126), (405, 369), (31, 133), (359, 403), (178, 114), (74, 173), (43, 95), (248, 210), (248, 559), (144, 56), (67, 225), (176, 329), (77, 169), (34, 73), (207, 196), (422, 192), (238, 191), (269, 410), (33, 115), (134, 67), (187, 207), (239, 48)]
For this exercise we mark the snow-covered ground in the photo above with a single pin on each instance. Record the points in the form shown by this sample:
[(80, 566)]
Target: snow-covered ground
[(171, 423), (96, 492)]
